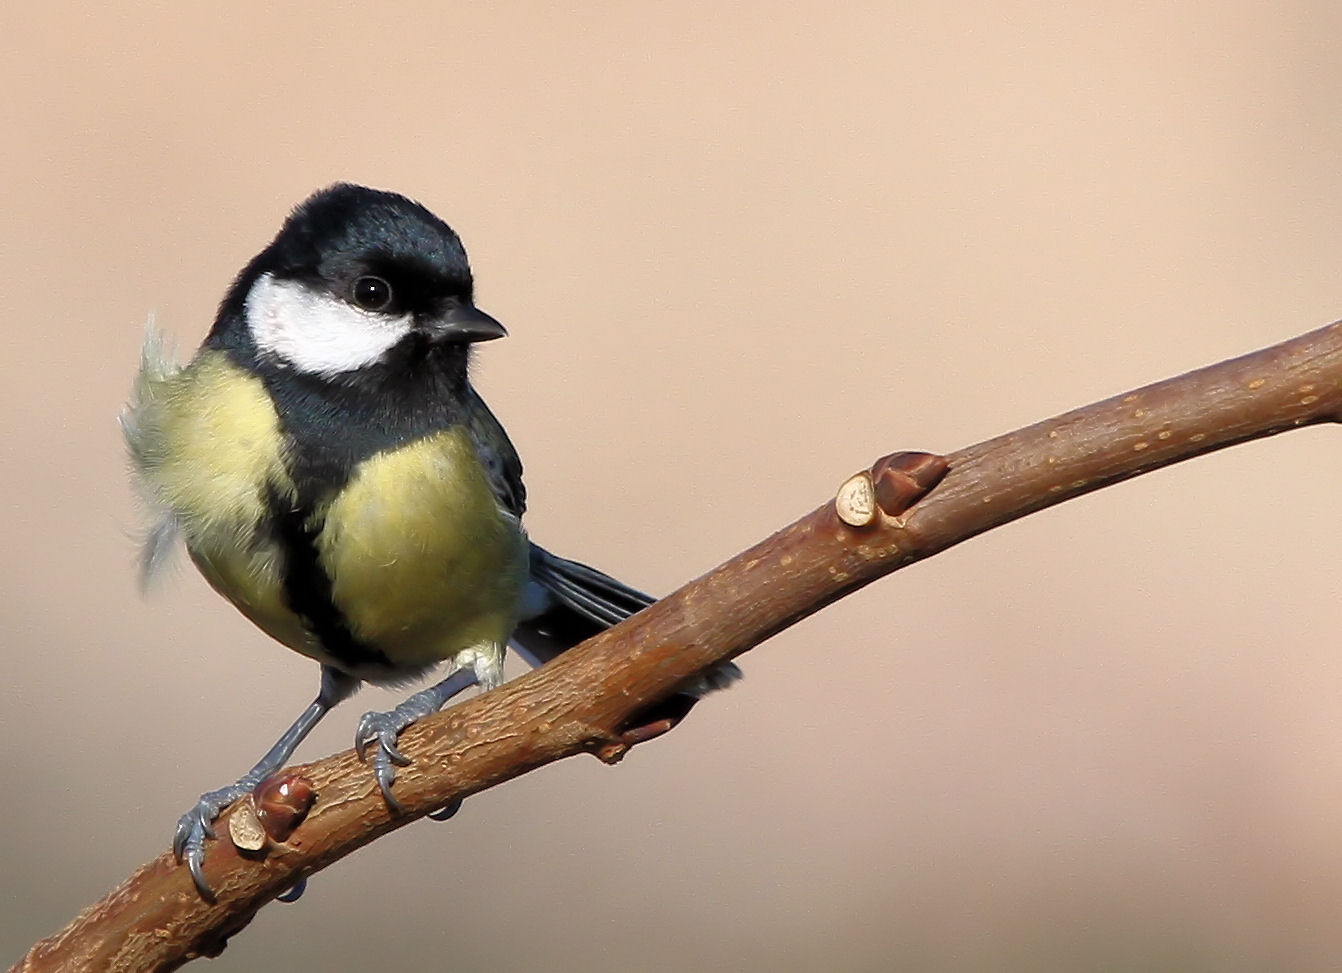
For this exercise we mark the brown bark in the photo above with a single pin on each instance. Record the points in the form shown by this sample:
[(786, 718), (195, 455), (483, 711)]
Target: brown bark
[(587, 700)]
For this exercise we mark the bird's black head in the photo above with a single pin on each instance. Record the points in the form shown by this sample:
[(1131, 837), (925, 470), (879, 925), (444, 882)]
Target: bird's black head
[(358, 282)]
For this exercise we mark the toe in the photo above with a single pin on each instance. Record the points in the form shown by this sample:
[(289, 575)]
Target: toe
[(195, 862), (385, 772)]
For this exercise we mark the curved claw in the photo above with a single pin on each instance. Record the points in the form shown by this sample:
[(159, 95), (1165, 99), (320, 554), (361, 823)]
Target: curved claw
[(384, 728), (195, 863), (362, 737), (295, 893), (446, 811), (385, 772)]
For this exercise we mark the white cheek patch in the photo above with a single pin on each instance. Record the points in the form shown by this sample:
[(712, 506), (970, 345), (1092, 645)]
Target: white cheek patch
[(317, 332)]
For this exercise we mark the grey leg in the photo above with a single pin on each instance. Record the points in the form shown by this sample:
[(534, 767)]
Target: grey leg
[(188, 844)]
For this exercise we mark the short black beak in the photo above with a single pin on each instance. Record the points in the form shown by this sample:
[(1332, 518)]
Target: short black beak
[(465, 323)]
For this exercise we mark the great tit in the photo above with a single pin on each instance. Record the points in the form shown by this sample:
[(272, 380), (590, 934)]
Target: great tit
[(335, 476)]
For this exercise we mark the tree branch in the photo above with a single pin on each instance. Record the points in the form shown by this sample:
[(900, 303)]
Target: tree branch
[(588, 700)]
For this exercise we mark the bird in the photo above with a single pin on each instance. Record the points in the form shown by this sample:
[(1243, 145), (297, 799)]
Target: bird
[(332, 472)]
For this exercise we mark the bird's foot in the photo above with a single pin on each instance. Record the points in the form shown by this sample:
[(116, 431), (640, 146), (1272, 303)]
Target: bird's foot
[(380, 732), (197, 824), (383, 729)]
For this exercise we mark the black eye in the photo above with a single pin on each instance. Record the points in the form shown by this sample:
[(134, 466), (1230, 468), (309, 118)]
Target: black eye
[(371, 293)]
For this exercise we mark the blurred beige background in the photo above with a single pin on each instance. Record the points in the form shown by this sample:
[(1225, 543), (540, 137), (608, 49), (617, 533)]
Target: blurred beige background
[(742, 252)]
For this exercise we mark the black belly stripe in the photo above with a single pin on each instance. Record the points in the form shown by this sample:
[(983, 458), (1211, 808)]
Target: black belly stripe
[(308, 588)]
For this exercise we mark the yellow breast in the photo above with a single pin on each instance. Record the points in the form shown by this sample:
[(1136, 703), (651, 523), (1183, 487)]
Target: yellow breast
[(424, 562)]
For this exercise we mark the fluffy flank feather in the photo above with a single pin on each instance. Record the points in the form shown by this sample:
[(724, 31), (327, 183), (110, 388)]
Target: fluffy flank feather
[(158, 366), (140, 428)]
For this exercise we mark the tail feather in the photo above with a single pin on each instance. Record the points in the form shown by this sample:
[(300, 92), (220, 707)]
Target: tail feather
[(570, 602), (586, 590), (590, 605)]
